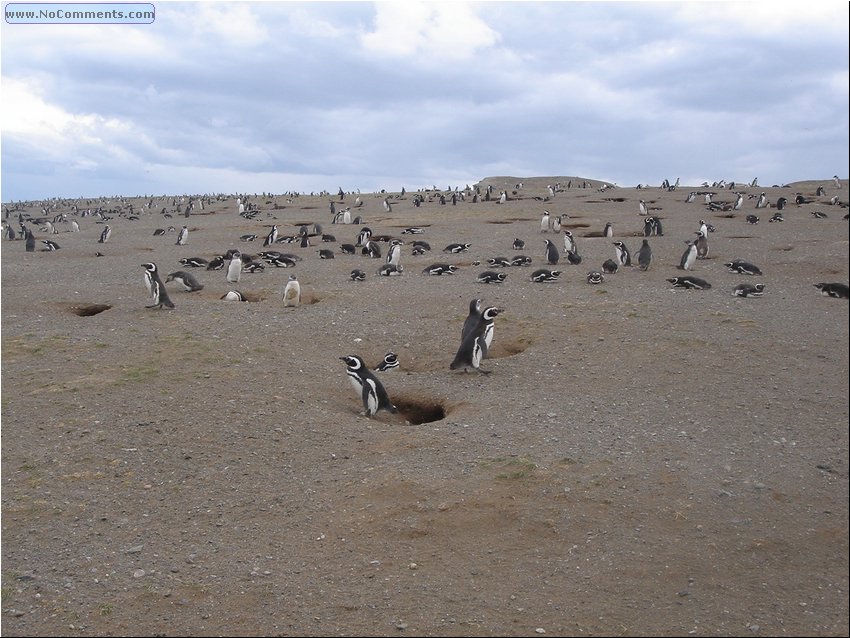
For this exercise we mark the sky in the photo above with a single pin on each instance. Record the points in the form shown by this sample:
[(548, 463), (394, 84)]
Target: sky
[(243, 97)]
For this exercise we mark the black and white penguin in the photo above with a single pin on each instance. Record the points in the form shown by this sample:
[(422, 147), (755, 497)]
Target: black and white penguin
[(701, 244), (689, 282), (185, 279), (739, 201), (182, 236), (439, 269), (748, 290), (574, 258), (472, 318), (492, 277), (742, 267), (326, 253), (50, 246), (608, 231), (544, 222), (372, 249), (762, 201), (347, 249), (648, 226), (642, 208), (159, 295), (292, 293), (644, 255), (29, 241), (389, 362), (413, 230), (595, 277), (104, 235), (776, 217), (456, 248), (394, 252), (305, 240), (499, 262), (363, 236), (753, 219), (233, 295), (819, 215), (271, 238), (370, 390), (234, 267), (542, 275), (689, 257), (521, 260), (781, 203), (248, 237), (518, 244), (556, 224), (421, 245), (835, 289), (357, 275), (621, 254), (569, 242), (389, 270), (281, 261), (609, 266), (216, 263), (551, 253), (254, 266), (475, 345)]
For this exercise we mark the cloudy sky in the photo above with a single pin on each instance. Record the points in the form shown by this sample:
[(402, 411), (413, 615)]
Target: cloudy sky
[(290, 96)]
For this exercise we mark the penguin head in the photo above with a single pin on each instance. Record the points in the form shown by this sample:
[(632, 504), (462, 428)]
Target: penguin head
[(491, 313), (150, 267), (353, 361)]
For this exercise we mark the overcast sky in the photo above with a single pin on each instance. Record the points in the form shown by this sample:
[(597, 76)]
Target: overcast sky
[(284, 96)]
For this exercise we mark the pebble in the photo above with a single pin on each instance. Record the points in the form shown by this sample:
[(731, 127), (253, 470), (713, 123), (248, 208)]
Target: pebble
[(138, 573)]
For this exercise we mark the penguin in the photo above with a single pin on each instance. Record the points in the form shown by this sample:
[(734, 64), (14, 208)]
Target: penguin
[(703, 227), (421, 244), (371, 391), (29, 243), (389, 270), (271, 238), (748, 290), (648, 226), (372, 249), (357, 275), (595, 277), (556, 224), (738, 202), (835, 289), (474, 346), (50, 246), (439, 269), (389, 362), (159, 295), (159, 232), (363, 236), (574, 258), (776, 217), (182, 236), (347, 249), (656, 227), (742, 267), (254, 266), (762, 201), (753, 219), (818, 214), (472, 319), (104, 235), (387, 206), (702, 245), (281, 261), (326, 253), (608, 231), (292, 293), (185, 279), (234, 267), (394, 253), (621, 254), (413, 230), (233, 295), (456, 248), (499, 262), (305, 240), (688, 257), (610, 266), (689, 282), (521, 260), (644, 211), (248, 237), (781, 203), (644, 255), (492, 277), (518, 244), (551, 253), (690, 198), (569, 242), (544, 274), (216, 263)]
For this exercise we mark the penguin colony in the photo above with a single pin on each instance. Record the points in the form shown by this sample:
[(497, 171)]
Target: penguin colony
[(395, 250)]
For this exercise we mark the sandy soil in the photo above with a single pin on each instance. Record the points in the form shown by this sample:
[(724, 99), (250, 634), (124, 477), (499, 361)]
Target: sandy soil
[(642, 460)]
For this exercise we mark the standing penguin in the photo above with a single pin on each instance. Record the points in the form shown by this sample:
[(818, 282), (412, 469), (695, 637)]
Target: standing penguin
[(271, 238), (159, 295), (474, 346), (292, 292), (644, 211), (104, 235), (702, 245), (544, 222), (608, 231), (30, 240), (472, 318), (556, 224), (183, 236), (622, 254), (689, 257), (394, 253), (371, 391), (569, 242), (644, 255), (551, 255), (234, 267)]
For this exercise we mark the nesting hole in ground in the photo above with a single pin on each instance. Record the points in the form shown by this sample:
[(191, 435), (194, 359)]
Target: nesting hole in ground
[(418, 410), (89, 310), (507, 348)]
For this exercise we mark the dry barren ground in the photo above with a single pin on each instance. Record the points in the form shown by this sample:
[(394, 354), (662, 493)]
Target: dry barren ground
[(642, 460)]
